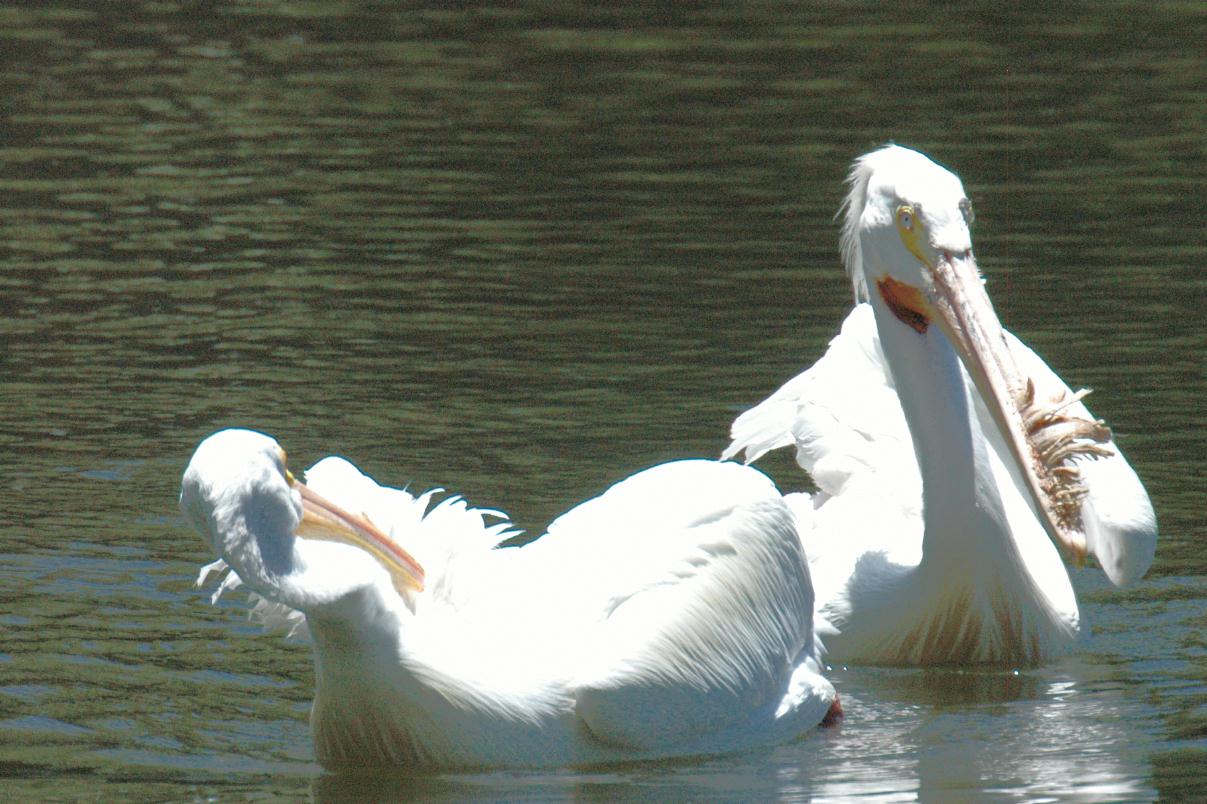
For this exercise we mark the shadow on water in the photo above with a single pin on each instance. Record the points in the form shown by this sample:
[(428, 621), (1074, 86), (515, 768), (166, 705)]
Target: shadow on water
[(681, 781)]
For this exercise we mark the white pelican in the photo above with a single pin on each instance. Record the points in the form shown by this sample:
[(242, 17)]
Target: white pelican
[(943, 449), (669, 616)]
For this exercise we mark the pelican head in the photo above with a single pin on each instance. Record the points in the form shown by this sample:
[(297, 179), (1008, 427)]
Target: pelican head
[(907, 245), (900, 198), (239, 494)]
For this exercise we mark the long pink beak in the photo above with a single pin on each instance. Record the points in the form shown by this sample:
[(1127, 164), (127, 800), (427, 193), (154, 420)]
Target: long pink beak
[(323, 519)]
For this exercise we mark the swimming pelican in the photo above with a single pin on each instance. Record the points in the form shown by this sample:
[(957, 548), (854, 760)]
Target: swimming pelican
[(669, 616), (943, 450)]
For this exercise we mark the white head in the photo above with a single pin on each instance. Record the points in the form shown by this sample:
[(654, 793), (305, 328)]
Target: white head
[(900, 198), (239, 494), (234, 475)]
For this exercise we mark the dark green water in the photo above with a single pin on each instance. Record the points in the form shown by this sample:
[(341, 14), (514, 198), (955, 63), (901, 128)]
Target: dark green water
[(520, 252)]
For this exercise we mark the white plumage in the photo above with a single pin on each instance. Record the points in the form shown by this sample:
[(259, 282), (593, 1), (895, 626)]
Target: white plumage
[(668, 616), (926, 539)]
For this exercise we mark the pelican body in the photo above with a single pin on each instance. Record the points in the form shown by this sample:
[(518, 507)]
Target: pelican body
[(672, 615), (953, 466)]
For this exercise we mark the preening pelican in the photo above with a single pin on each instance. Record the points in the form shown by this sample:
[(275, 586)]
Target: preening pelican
[(945, 452), (669, 616)]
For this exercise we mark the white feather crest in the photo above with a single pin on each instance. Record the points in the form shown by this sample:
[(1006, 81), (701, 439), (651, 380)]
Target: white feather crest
[(850, 212)]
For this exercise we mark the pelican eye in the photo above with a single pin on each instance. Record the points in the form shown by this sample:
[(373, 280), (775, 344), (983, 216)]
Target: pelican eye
[(909, 228), (289, 478)]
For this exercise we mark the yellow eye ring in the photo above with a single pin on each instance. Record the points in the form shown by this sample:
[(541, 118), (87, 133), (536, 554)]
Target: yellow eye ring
[(908, 228)]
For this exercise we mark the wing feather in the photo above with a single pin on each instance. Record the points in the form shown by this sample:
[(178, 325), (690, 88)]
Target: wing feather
[(707, 607), (841, 414)]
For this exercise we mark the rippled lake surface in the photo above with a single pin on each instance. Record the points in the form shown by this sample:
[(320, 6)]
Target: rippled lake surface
[(521, 251)]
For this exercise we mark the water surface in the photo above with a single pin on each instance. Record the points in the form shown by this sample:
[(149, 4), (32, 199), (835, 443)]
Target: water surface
[(520, 252)]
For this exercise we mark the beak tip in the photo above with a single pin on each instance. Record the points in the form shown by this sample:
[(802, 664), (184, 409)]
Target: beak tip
[(1074, 547)]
